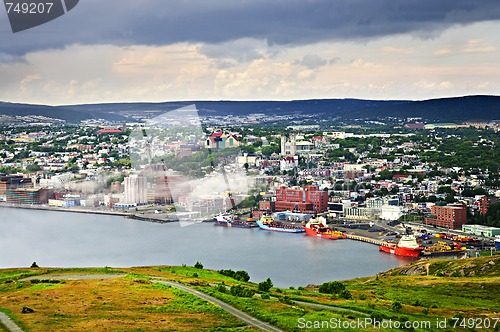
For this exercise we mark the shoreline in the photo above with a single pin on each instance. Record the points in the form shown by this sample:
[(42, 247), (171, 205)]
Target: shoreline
[(148, 217), (61, 209)]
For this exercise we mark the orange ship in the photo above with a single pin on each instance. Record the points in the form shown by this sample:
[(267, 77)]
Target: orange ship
[(407, 246), (316, 227)]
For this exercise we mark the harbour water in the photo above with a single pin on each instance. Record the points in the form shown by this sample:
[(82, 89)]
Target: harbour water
[(60, 239)]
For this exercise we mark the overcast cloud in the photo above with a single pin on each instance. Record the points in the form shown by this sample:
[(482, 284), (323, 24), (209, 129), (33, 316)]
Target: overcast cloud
[(282, 22), (158, 50)]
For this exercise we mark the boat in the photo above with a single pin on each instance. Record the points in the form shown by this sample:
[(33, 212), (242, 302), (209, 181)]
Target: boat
[(497, 242), (227, 220), (407, 246), (318, 228), (269, 223)]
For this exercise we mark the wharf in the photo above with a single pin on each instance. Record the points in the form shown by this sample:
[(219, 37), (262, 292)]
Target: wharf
[(365, 239), (448, 253)]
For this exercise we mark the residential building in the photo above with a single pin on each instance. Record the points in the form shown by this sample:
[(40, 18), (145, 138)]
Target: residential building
[(219, 140), (483, 203)]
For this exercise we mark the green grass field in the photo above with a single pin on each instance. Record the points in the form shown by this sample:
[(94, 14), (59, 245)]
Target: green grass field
[(427, 290)]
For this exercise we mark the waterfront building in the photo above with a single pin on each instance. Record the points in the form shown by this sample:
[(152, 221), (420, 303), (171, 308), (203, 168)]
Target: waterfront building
[(308, 199), (358, 213), (27, 196), (452, 216), (391, 212), (136, 191), (481, 230)]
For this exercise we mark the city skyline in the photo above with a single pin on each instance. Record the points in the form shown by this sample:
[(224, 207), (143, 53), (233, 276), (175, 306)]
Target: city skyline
[(220, 50)]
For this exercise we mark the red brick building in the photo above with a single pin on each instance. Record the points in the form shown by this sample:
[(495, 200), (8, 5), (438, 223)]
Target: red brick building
[(308, 199), (483, 203), (267, 206), (451, 216)]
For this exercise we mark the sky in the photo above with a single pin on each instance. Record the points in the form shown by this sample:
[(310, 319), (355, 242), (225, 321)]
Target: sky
[(172, 50)]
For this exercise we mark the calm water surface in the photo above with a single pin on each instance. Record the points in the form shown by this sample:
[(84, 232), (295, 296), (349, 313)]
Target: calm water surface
[(81, 240)]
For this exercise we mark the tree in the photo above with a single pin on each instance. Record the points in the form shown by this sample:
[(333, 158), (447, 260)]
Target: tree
[(247, 148), (33, 168), (242, 275), (265, 286), (270, 149), (257, 143)]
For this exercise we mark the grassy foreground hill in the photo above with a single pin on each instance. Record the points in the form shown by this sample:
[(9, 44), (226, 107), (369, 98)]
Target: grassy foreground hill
[(458, 294)]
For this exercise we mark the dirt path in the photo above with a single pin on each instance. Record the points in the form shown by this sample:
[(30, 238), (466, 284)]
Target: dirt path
[(76, 276), (329, 307), (252, 321), (9, 324)]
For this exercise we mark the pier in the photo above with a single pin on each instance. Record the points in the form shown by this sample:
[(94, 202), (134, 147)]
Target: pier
[(365, 239)]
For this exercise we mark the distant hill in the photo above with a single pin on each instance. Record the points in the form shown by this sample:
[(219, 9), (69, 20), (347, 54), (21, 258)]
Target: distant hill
[(67, 113), (445, 109), (437, 110)]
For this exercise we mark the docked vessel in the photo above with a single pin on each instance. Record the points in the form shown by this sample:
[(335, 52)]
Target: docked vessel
[(269, 223), (407, 246), (227, 220), (318, 228)]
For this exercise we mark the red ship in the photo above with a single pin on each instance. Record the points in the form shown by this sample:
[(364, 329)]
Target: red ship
[(317, 228), (407, 246)]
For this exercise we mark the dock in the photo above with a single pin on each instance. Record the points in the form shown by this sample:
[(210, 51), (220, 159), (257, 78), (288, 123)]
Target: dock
[(365, 239)]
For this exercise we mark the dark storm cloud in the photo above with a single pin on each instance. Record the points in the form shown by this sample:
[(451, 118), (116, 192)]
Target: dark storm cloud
[(159, 22)]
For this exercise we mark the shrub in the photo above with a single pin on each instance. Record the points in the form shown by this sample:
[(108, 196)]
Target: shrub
[(34, 265), (396, 306), (300, 288), (333, 287), (417, 303), (286, 300), (221, 288), (265, 296), (241, 291), (362, 296), (198, 265), (345, 294), (265, 286)]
